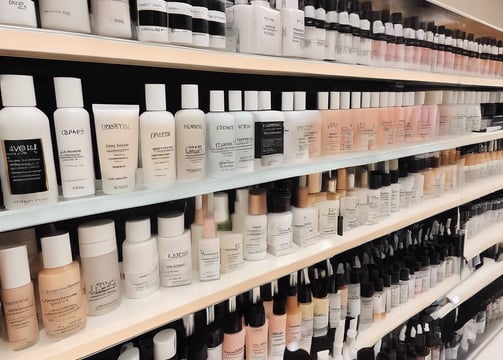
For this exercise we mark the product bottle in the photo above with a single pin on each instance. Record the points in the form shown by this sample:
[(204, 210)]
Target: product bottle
[(395, 186), (255, 226), (26, 146), (395, 289), (365, 49), (367, 305), (256, 331), (240, 210), (157, 138), (315, 33), (196, 230), (379, 300), (63, 307), (344, 36), (305, 217), (13, 14), (190, 134), (398, 58), (180, 22), (307, 311), (330, 129), (343, 289), (111, 18), (425, 273), (220, 138), (100, 266), (209, 252), (292, 28), (153, 21), (328, 210), (215, 335), (174, 244), (386, 192), (216, 23), (374, 197), (321, 305), (18, 298), (404, 285), (293, 314), (73, 136), (244, 129), (354, 22), (354, 290), (389, 30), (233, 347), (332, 24), (165, 345), (387, 291), (129, 352), (279, 224), (200, 25), (231, 252), (378, 40), (70, 15), (346, 124), (277, 326), (297, 129), (221, 211), (140, 258), (314, 133)]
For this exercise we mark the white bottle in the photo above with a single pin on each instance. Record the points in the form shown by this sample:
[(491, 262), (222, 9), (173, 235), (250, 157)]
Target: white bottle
[(216, 22), (153, 21), (262, 42), (269, 132), (374, 197), (344, 36), (279, 224), (190, 136), (209, 252), (386, 194), (157, 138), (111, 18), (200, 26), (328, 210), (331, 31), (69, 15), (314, 134), (180, 22), (27, 163), (20, 13), (73, 136), (255, 226), (231, 251), (245, 133), (296, 127), (305, 217), (315, 34), (220, 138), (395, 186), (238, 16), (173, 241), (140, 259), (292, 23)]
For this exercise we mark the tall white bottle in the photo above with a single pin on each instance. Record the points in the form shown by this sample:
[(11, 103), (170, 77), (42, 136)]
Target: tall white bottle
[(220, 138), (296, 127), (292, 28), (245, 136), (73, 136), (20, 13), (27, 163), (69, 15), (157, 139), (111, 18), (190, 136), (314, 129), (152, 21)]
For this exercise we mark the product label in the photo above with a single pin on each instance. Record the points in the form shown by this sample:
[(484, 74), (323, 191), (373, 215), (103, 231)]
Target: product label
[(231, 255), (328, 212), (104, 294), (306, 329), (222, 149), (293, 32), (395, 295), (367, 310), (404, 292), (385, 204), (25, 166), (215, 353), (209, 259), (349, 212), (161, 160), (330, 138), (244, 145), (269, 138), (347, 134), (395, 198), (426, 279), (418, 282), (292, 333), (217, 21), (234, 353), (304, 230), (135, 283), (255, 239), (280, 233), (320, 324), (179, 16), (277, 342), (334, 301), (379, 303), (256, 343), (20, 314)]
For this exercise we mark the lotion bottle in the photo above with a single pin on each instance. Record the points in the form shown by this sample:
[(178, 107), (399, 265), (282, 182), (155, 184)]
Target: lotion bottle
[(233, 347), (293, 314), (180, 22), (277, 326), (245, 130), (153, 21), (296, 127), (307, 311), (305, 217), (279, 224)]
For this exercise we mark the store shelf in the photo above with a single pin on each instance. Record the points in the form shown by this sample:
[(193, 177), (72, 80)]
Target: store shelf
[(73, 208), (479, 279), (487, 345), (368, 337), (488, 237), (57, 45)]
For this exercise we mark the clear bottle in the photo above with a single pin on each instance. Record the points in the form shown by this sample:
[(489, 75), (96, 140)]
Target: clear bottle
[(244, 133), (418, 278), (365, 50), (314, 132), (398, 58), (231, 252), (152, 21), (297, 129), (425, 273), (292, 28), (209, 251), (305, 217), (378, 40), (255, 226), (196, 230), (279, 224)]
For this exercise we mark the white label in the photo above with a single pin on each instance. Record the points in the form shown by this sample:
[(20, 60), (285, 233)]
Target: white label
[(209, 259), (328, 212), (277, 342), (279, 231), (111, 17), (334, 301), (231, 253), (418, 286), (395, 295), (137, 283), (215, 353), (255, 236), (179, 8), (176, 267), (404, 291), (217, 16), (221, 152), (320, 325), (367, 310), (19, 12), (305, 225), (306, 329), (379, 303)]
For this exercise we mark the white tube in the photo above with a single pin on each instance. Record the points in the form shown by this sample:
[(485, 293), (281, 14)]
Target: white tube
[(117, 139)]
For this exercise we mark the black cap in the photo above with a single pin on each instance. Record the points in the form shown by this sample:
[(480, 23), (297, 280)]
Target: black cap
[(414, 20), (376, 15), (365, 354), (354, 277), (354, 7), (342, 6), (387, 280), (280, 201), (470, 37), (256, 315), (395, 277), (366, 12), (305, 295), (431, 26), (367, 289), (425, 261), (441, 29), (232, 323), (375, 180), (340, 280), (332, 285), (403, 168), (330, 5), (215, 335), (435, 258), (379, 284), (393, 176), (385, 15), (417, 266), (197, 350), (265, 292), (279, 306), (413, 165), (407, 23), (404, 274), (396, 18), (386, 179)]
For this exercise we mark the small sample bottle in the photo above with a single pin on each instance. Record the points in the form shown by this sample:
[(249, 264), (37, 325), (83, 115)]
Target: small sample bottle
[(378, 40), (344, 36), (367, 304), (174, 244), (13, 14), (387, 291), (165, 345), (18, 298), (100, 266), (209, 252), (425, 272), (200, 25), (386, 194), (153, 21), (233, 346), (244, 130), (180, 22), (256, 331), (279, 224), (305, 217), (332, 24), (140, 259), (61, 297), (70, 15), (255, 226), (111, 18)]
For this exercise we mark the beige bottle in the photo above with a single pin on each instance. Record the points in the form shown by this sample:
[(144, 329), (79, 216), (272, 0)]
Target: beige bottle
[(18, 298), (60, 289)]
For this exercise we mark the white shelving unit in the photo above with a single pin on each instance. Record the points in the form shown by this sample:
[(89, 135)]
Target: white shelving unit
[(488, 345), (488, 237)]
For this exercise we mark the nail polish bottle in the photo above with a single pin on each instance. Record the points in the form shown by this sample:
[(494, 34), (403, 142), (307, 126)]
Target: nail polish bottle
[(233, 346), (344, 36), (305, 217), (277, 326), (256, 331), (378, 40), (297, 128), (367, 305), (279, 224), (293, 314), (255, 226), (307, 311), (379, 300), (395, 289)]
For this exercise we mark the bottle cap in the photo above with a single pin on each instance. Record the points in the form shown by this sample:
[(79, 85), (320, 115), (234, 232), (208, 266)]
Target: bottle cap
[(279, 306), (266, 292), (379, 284), (356, 99), (14, 267), (334, 100), (56, 250), (165, 344), (365, 354), (97, 238), (386, 179), (386, 280), (257, 202), (404, 274), (322, 100), (425, 261), (395, 277), (374, 99), (138, 229), (365, 99), (287, 101), (392, 99), (232, 323), (217, 101), (17, 90), (251, 100), (435, 258), (130, 353), (281, 201), (354, 277), (375, 180), (383, 99), (305, 294), (264, 100), (215, 335), (399, 98), (221, 211), (299, 100), (170, 223), (68, 92), (345, 97), (256, 312), (367, 289), (396, 18), (235, 102), (190, 96)]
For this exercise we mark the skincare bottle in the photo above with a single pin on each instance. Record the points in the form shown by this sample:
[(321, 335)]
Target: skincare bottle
[(315, 34), (231, 252), (18, 298), (386, 192), (111, 18), (200, 28), (157, 139), (314, 133), (378, 40), (233, 346), (354, 290), (395, 289), (385, 132), (129, 352), (297, 129), (344, 36), (328, 210), (389, 30), (332, 24), (266, 294), (277, 325), (61, 297), (165, 345), (362, 196), (174, 244), (354, 22), (404, 285), (209, 252), (215, 334), (255, 226), (244, 130), (240, 210), (334, 300), (387, 291), (11, 13), (346, 124), (292, 28), (367, 305), (220, 138), (196, 230), (398, 58), (307, 311), (364, 122), (365, 49), (26, 146), (425, 273), (379, 300), (305, 217), (221, 211), (190, 134), (100, 266), (256, 331), (153, 21), (293, 313), (73, 136), (279, 224), (180, 22), (343, 289), (330, 129), (395, 186), (70, 15), (321, 303)]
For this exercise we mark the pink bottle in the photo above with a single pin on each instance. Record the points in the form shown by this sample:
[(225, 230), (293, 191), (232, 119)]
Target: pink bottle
[(330, 129), (344, 120), (385, 134), (398, 117), (390, 38), (364, 121), (432, 100), (379, 40), (233, 347), (412, 115)]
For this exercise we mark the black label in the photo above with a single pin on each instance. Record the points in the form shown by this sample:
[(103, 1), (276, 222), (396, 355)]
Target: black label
[(25, 166), (177, 21), (200, 26), (152, 18), (217, 28), (269, 138)]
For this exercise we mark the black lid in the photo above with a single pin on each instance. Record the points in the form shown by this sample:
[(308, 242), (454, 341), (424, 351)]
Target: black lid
[(305, 295), (376, 15), (202, 3), (410, 266), (404, 274), (340, 279), (354, 7), (367, 289), (375, 180), (374, 274), (414, 20), (396, 18), (342, 6), (279, 306), (330, 5), (403, 169), (413, 165), (431, 26), (281, 201), (393, 176), (332, 285), (354, 277), (216, 5), (197, 350), (395, 277), (386, 179), (233, 323), (365, 354), (470, 37), (448, 32), (379, 284), (266, 292), (215, 335), (417, 266), (256, 315), (441, 29), (425, 261), (407, 22), (435, 258), (387, 280), (366, 12), (292, 290), (385, 15)]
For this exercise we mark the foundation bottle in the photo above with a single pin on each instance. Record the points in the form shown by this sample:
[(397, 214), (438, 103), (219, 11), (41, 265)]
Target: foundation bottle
[(293, 314), (330, 127)]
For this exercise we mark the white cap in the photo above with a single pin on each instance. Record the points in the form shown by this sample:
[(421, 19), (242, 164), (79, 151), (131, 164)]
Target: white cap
[(299, 100), (14, 267), (155, 97), (455, 95), (287, 101), (17, 90), (374, 99), (409, 98), (242, 195), (335, 100), (217, 101), (399, 98), (383, 99), (56, 250), (97, 238), (26, 237), (138, 229), (433, 97), (365, 99), (165, 344), (251, 100), (447, 97), (322, 100), (235, 101), (264, 100), (345, 97), (391, 99), (170, 223), (68, 92), (131, 353), (419, 98), (221, 210), (356, 99), (190, 96), (493, 97), (287, 4)]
